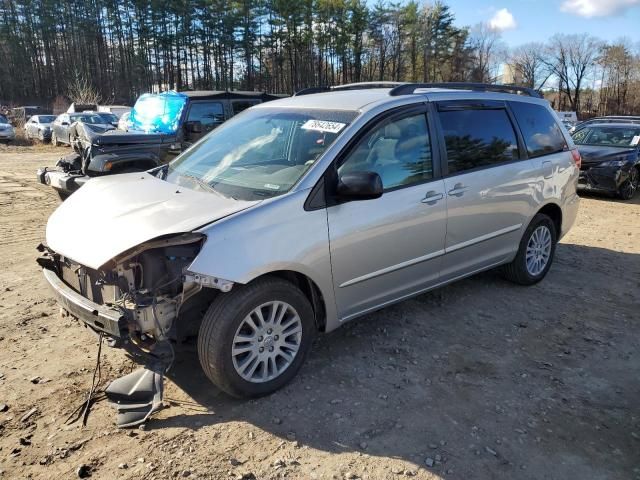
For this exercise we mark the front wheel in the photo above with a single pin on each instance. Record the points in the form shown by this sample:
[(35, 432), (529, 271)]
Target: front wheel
[(535, 253), (253, 340), (630, 187)]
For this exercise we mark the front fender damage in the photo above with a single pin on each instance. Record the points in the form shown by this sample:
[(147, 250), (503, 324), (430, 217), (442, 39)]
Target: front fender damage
[(153, 290)]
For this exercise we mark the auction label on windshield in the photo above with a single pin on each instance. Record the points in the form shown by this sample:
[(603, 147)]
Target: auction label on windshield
[(635, 140), (323, 126)]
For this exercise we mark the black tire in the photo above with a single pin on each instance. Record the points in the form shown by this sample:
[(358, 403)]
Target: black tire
[(224, 317), (630, 187), (517, 271)]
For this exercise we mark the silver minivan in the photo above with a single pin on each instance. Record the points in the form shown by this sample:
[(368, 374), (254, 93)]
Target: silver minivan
[(303, 213)]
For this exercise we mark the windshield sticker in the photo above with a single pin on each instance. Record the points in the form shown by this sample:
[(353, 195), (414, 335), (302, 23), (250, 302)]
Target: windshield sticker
[(323, 126), (635, 140), (271, 186)]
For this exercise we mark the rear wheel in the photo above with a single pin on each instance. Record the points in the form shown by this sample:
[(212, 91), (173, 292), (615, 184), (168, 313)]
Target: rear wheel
[(253, 340), (630, 187), (535, 253)]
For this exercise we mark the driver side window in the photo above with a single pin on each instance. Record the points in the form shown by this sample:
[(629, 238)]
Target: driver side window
[(397, 150)]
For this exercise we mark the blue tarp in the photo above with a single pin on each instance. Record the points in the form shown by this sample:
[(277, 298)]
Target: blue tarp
[(158, 113)]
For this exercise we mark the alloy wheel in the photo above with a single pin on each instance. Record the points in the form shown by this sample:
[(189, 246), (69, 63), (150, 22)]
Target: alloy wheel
[(631, 186), (266, 342), (538, 250)]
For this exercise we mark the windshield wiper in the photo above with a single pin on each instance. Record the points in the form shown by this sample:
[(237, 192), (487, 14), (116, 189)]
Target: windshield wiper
[(206, 186)]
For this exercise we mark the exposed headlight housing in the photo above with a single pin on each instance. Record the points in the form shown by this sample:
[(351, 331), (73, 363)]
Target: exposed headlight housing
[(613, 163)]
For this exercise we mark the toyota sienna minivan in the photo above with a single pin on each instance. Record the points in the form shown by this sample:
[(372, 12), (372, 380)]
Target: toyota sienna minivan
[(304, 213)]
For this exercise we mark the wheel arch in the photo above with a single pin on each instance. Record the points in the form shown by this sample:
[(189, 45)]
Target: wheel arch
[(310, 290), (554, 212)]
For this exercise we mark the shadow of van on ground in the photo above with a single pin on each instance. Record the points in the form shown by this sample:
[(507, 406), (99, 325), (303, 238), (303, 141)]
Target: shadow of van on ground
[(484, 378)]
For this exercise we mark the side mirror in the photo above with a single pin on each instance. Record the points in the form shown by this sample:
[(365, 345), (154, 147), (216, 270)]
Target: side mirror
[(194, 127), (359, 186)]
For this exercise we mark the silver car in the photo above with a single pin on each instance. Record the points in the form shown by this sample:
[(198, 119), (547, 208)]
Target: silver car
[(304, 213), (39, 127)]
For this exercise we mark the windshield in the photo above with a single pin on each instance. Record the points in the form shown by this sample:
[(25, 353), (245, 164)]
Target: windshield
[(260, 153), (158, 113), (46, 118), (3, 119), (108, 117), (87, 118), (603, 136)]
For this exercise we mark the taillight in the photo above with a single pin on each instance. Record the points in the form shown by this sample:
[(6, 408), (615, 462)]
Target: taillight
[(576, 157)]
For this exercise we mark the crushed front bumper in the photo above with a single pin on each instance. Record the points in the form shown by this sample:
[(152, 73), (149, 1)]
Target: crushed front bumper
[(63, 181), (603, 179), (100, 318)]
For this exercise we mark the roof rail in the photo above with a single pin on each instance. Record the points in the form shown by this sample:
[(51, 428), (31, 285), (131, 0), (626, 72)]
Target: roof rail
[(348, 86), (409, 88)]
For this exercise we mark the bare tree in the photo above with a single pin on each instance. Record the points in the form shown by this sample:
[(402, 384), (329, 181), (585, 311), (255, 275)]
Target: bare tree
[(528, 63), (81, 91), (571, 59), (619, 67), (489, 52)]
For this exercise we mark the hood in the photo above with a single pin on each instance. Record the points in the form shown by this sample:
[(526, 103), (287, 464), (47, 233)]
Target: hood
[(99, 127), (4, 126), (112, 214), (597, 154), (118, 137)]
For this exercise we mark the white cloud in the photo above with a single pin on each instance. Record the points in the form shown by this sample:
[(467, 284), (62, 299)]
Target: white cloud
[(597, 8), (502, 20)]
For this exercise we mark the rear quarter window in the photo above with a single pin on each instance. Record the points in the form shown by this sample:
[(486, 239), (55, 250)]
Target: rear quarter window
[(542, 135)]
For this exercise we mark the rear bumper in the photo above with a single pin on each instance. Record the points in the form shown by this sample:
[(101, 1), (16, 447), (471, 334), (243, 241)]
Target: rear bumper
[(66, 182), (100, 318)]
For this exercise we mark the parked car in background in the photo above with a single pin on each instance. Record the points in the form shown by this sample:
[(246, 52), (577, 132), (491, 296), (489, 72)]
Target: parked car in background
[(39, 127), (7, 132), (302, 214), (124, 123), (61, 127), (160, 127), (610, 158), (109, 118), (607, 119), (117, 110), (19, 115)]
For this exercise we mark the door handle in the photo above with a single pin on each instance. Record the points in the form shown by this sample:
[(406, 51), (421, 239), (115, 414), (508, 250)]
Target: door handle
[(432, 197), (458, 190)]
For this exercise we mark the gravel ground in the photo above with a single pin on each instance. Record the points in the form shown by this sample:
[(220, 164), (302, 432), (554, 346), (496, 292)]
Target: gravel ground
[(481, 379)]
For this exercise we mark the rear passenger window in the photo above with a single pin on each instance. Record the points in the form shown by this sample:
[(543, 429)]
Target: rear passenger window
[(241, 105), (540, 130), (478, 138)]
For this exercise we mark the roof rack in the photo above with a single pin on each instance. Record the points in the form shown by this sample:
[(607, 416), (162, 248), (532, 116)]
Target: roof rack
[(348, 86), (409, 88)]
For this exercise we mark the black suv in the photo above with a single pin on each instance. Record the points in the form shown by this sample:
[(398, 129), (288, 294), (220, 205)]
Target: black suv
[(164, 125)]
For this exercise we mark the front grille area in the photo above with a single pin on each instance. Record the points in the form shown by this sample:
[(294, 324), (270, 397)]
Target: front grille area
[(87, 282)]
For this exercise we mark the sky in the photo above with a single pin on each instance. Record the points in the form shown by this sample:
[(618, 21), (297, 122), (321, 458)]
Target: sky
[(523, 21)]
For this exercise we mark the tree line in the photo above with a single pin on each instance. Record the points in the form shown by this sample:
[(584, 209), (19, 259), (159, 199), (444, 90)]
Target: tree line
[(122, 48)]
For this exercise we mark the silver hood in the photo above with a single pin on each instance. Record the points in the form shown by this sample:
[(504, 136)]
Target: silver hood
[(110, 215)]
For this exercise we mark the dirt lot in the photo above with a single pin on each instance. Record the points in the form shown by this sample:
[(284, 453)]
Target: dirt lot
[(482, 379)]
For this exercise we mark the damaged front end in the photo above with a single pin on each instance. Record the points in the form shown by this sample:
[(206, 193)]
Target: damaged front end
[(135, 300)]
